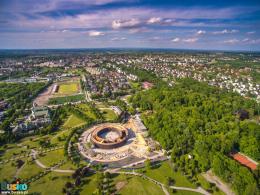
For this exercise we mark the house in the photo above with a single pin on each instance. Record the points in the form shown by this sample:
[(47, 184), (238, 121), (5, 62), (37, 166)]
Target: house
[(40, 112), (39, 117)]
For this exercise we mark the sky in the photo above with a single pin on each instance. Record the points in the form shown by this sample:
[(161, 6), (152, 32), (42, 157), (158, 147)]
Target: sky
[(185, 24)]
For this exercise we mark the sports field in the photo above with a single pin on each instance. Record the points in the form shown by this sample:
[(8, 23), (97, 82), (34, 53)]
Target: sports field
[(68, 88)]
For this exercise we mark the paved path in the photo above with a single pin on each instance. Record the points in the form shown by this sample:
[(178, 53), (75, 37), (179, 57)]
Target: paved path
[(209, 176), (19, 170), (143, 161), (34, 153), (29, 154), (199, 189)]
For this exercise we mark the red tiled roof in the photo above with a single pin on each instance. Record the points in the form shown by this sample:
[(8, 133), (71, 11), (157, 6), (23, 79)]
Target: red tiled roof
[(244, 160)]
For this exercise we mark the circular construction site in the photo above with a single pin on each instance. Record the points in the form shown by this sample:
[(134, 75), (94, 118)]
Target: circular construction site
[(114, 144), (107, 142), (109, 136)]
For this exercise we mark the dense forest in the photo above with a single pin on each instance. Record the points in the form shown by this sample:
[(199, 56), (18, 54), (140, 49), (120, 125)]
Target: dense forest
[(207, 123)]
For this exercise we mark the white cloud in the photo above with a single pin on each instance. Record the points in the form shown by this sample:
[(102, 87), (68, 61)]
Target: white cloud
[(117, 24), (255, 41), (175, 40), (234, 31), (95, 33), (251, 41), (225, 31), (232, 41), (201, 32), (245, 40), (138, 30), (190, 40), (250, 32), (155, 38), (154, 20), (118, 39)]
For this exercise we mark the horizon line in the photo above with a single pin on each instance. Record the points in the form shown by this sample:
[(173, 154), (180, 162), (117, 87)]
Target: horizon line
[(130, 48)]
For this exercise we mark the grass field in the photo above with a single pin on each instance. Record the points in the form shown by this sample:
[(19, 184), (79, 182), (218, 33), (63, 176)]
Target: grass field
[(68, 88), (29, 169), (73, 121), (136, 185), (52, 157), (87, 110), (23, 146), (7, 171), (108, 114), (90, 186), (66, 99), (183, 192), (164, 171), (52, 183)]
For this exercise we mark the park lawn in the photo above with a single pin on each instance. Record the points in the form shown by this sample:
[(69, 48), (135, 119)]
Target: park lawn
[(49, 158), (161, 173), (137, 185), (73, 121), (101, 104), (30, 169), (87, 110), (62, 134), (12, 150), (23, 146), (68, 88), (7, 171), (183, 192), (109, 114), (32, 141), (52, 183), (68, 165), (90, 186)]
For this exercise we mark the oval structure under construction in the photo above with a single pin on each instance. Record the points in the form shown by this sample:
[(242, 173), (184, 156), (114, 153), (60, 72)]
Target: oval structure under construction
[(109, 136)]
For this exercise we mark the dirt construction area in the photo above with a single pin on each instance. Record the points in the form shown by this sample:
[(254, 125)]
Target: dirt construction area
[(134, 147), (59, 89), (44, 97)]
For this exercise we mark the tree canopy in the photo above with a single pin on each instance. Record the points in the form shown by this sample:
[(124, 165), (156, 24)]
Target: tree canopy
[(194, 118)]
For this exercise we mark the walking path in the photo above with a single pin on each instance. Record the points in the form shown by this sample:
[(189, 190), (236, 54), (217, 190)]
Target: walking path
[(19, 170), (209, 176), (199, 189), (30, 154), (34, 153)]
